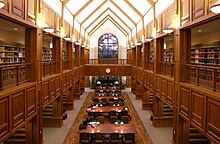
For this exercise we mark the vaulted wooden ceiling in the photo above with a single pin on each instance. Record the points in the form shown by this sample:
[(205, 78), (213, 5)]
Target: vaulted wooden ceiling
[(124, 14)]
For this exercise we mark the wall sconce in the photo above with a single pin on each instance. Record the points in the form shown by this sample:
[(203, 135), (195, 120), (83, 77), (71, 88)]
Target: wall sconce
[(67, 38), (138, 42), (2, 4), (132, 46), (48, 29), (149, 39), (215, 7), (77, 42), (168, 30)]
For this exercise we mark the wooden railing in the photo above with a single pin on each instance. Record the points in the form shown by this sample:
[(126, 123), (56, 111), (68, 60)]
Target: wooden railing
[(66, 65), (205, 76), (48, 68), (167, 68), (150, 65), (106, 61), (15, 74)]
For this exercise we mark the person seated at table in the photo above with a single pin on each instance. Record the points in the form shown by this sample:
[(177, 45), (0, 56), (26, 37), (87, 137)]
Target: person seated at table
[(89, 119)]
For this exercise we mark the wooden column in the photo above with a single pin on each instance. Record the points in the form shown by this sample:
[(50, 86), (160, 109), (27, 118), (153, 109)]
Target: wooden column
[(77, 91), (146, 103), (139, 92), (33, 44), (134, 56), (133, 85), (82, 85), (138, 55), (144, 58)]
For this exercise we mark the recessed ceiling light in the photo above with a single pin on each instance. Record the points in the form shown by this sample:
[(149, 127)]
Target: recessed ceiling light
[(15, 29), (199, 30)]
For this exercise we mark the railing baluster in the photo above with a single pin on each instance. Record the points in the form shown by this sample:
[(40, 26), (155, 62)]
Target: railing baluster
[(197, 76), (213, 80)]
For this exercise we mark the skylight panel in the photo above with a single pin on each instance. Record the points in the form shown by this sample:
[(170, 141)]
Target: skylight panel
[(120, 22), (99, 19), (89, 9), (148, 17), (160, 6), (96, 14), (108, 27), (68, 17), (75, 5), (142, 5), (127, 9), (113, 17), (121, 15), (56, 5)]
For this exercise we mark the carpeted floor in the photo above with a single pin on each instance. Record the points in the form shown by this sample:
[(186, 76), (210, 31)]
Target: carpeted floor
[(141, 137)]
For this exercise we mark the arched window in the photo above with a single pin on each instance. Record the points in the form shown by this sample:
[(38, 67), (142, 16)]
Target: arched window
[(108, 46)]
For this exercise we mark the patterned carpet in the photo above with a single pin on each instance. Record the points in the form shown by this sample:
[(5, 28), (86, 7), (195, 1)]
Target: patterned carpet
[(141, 137)]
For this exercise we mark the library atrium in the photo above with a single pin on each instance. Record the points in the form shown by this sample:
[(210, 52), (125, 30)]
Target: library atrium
[(109, 71)]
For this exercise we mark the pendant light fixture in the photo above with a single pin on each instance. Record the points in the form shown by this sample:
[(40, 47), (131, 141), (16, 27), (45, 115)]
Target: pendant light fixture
[(49, 29), (2, 4), (215, 7)]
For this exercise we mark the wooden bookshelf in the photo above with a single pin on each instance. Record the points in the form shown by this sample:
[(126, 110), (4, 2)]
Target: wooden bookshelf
[(206, 53), (47, 54), (11, 53), (169, 55)]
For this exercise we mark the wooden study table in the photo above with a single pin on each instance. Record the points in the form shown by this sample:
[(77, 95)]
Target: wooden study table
[(110, 128), (104, 109)]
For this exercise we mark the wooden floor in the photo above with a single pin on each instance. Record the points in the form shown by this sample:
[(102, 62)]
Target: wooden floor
[(57, 135)]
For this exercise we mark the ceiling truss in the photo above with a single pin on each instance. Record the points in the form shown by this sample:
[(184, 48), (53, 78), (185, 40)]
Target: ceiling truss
[(108, 17), (151, 2)]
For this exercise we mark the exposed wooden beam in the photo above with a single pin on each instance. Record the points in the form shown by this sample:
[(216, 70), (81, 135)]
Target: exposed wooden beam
[(151, 2), (93, 12), (120, 19), (111, 12), (65, 2), (113, 24), (117, 24), (82, 8), (96, 18), (122, 11), (134, 8), (103, 21)]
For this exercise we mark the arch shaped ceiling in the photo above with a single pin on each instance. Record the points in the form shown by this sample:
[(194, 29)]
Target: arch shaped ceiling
[(126, 13)]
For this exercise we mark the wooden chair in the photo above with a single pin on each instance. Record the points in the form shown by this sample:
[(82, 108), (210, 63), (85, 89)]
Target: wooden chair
[(125, 119), (112, 113), (85, 138), (129, 138), (98, 138), (101, 119), (113, 119), (114, 138)]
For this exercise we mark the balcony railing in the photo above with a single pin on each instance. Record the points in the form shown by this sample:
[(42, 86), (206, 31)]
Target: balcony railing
[(167, 68), (205, 76), (150, 65), (66, 65), (15, 74), (106, 61), (48, 68)]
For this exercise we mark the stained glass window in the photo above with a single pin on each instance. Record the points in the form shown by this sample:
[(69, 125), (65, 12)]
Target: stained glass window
[(108, 46)]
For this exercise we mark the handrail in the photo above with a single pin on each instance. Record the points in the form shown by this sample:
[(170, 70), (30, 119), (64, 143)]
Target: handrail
[(167, 68), (106, 61), (14, 74), (205, 76), (48, 68)]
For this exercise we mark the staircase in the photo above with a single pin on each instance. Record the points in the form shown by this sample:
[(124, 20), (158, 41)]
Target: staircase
[(48, 111), (195, 137), (151, 100), (167, 111), (19, 137)]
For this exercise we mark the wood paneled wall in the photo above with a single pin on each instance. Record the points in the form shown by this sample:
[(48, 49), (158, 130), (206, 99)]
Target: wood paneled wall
[(17, 105)]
